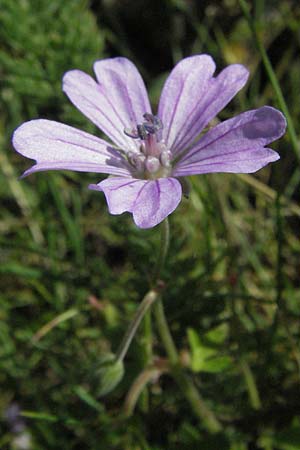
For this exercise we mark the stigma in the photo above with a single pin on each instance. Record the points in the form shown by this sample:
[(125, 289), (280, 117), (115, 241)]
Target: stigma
[(153, 160), (151, 126)]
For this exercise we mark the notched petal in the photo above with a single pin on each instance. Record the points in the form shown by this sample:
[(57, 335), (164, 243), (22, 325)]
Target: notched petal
[(192, 97)]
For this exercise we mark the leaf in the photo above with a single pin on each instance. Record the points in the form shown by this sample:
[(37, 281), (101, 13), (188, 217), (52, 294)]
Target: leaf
[(87, 398), (218, 334), (288, 439), (205, 354)]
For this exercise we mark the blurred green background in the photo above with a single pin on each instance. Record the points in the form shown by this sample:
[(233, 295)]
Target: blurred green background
[(72, 275)]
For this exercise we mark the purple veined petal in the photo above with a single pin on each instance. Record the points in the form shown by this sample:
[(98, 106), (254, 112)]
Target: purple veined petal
[(244, 161), (117, 101), (192, 97), (56, 146), (236, 145), (123, 83), (120, 192), (150, 201), (186, 84), (156, 201)]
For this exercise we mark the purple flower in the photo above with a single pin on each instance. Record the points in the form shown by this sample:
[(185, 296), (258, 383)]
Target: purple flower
[(149, 153)]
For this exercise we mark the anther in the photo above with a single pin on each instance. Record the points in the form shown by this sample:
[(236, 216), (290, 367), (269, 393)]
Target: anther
[(136, 160), (165, 158), (152, 164)]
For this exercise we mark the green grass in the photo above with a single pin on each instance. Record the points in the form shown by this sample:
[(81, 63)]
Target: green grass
[(72, 276)]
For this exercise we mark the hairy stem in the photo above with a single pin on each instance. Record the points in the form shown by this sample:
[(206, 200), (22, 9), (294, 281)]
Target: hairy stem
[(163, 249), (184, 382), (147, 301)]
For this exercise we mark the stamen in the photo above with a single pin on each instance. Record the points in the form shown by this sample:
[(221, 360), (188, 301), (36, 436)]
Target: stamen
[(152, 160)]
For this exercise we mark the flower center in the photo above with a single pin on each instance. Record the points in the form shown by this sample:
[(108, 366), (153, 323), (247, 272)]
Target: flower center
[(153, 160)]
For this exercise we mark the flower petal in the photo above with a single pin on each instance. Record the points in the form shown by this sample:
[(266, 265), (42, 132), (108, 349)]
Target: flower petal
[(117, 101), (156, 201), (191, 98), (56, 146), (120, 192), (236, 145), (150, 201)]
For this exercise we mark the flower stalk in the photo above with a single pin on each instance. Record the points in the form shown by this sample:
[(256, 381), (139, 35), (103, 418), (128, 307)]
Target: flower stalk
[(149, 298), (163, 249), (199, 407)]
